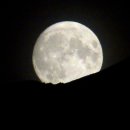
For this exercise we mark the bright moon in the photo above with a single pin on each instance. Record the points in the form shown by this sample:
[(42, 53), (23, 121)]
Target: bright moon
[(66, 51)]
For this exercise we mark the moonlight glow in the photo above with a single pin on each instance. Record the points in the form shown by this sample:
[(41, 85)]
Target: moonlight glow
[(66, 51)]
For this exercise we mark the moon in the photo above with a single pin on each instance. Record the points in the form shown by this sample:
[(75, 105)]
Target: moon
[(66, 51)]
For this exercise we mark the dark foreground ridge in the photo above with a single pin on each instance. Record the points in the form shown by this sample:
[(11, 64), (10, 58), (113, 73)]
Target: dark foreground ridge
[(110, 81)]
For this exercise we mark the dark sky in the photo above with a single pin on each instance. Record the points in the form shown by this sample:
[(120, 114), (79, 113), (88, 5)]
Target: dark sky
[(22, 22)]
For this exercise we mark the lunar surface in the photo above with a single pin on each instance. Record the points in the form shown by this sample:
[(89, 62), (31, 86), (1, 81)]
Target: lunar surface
[(66, 51)]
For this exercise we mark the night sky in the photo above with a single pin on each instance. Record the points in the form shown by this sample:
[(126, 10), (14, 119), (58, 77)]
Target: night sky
[(22, 22)]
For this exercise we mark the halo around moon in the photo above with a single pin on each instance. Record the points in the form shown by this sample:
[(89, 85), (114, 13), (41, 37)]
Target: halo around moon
[(66, 51)]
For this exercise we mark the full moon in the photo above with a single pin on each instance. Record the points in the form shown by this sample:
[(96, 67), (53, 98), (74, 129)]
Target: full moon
[(66, 51)]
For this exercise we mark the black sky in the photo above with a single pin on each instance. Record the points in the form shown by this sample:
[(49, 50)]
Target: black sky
[(23, 21)]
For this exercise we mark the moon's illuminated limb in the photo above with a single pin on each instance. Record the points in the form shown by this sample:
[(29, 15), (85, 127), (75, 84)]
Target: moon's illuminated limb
[(66, 51)]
